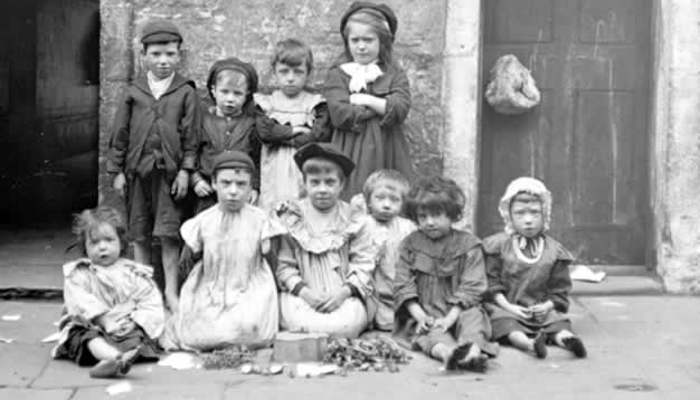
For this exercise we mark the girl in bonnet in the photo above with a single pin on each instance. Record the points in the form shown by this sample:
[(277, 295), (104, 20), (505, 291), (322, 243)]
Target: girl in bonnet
[(368, 95), (528, 274)]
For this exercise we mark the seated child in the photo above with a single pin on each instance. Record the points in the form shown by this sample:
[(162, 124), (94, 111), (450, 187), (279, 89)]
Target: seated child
[(383, 197), (295, 117), (440, 280), (228, 125), (528, 274), (114, 311), (326, 260), (230, 296)]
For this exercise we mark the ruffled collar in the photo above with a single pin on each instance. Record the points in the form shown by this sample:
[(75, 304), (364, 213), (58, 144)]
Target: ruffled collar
[(452, 245), (528, 250), (361, 75), (347, 223)]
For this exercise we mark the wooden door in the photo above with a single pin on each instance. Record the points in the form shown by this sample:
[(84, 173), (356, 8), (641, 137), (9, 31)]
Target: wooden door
[(588, 139)]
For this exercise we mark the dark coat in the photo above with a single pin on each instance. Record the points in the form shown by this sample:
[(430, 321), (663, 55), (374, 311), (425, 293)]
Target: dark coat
[(174, 118), (372, 141)]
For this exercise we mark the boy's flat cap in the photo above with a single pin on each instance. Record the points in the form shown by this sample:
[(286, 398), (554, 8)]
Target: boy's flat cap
[(160, 31), (233, 159), (326, 151)]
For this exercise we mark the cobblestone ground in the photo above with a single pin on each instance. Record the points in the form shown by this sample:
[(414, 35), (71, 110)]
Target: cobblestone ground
[(642, 347)]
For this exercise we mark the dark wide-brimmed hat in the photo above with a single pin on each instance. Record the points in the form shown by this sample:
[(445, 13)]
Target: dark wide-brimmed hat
[(234, 64), (233, 159), (381, 8), (160, 31), (325, 151)]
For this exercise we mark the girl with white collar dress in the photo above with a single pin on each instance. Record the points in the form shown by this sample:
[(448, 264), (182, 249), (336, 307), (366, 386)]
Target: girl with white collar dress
[(368, 96)]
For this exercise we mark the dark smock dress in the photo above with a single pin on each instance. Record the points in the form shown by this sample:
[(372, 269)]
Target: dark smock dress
[(527, 284), (372, 141), (440, 274), (219, 134)]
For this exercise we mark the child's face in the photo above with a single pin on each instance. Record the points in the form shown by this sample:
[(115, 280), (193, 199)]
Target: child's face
[(230, 91), (433, 225), (291, 80), (161, 58), (527, 217), (323, 189), (385, 202), (363, 43), (233, 188), (102, 245)]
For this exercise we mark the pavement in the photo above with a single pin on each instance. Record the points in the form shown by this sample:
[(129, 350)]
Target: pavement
[(640, 347)]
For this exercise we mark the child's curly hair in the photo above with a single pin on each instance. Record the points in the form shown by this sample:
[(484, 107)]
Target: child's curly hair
[(90, 219), (435, 195)]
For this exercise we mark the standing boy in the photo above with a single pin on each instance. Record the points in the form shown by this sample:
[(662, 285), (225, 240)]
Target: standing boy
[(152, 150)]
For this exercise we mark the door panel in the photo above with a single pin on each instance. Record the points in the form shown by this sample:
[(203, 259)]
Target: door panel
[(588, 138)]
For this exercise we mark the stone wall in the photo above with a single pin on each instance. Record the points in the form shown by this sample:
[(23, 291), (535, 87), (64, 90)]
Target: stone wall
[(675, 150), (213, 29)]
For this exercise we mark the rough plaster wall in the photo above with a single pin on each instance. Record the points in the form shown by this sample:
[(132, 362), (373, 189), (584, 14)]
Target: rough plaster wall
[(248, 29), (675, 178)]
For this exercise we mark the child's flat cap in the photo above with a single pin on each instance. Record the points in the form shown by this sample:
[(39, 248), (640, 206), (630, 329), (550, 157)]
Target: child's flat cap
[(326, 151), (160, 31), (233, 159)]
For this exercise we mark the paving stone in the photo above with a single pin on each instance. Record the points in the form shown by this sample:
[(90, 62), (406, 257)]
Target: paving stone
[(34, 394)]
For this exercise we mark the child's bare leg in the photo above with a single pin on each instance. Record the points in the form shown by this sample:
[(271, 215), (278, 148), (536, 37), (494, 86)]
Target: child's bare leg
[(442, 352), (566, 339), (520, 340), (171, 254), (142, 251), (102, 350)]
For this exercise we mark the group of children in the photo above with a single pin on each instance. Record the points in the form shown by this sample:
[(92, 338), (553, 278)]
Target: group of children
[(275, 244)]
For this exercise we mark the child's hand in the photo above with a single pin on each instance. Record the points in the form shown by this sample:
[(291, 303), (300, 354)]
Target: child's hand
[(335, 300), (119, 183), (203, 189), (519, 311), (446, 322), (124, 326), (540, 311), (425, 323), (301, 130), (312, 297), (179, 188)]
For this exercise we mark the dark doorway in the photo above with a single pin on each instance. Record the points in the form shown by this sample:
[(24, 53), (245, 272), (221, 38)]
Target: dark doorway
[(588, 139), (49, 94)]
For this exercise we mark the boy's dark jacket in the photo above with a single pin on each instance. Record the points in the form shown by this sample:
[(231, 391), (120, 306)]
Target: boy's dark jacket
[(175, 116)]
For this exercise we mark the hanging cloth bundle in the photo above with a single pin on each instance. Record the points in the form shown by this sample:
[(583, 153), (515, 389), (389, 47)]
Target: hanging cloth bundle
[(512, 89)]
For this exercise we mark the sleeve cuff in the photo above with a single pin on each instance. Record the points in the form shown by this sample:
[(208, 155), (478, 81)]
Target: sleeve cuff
[(297, 288)]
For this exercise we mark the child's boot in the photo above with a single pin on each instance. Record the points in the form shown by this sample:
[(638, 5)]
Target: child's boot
[(115, 367), (540, 345), (575, 345)]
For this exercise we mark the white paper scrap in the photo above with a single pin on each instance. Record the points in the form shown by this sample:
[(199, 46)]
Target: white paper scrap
[(585, 274), (6, 340), (51, 338), (11, 317), (180, 361), (118, 388)]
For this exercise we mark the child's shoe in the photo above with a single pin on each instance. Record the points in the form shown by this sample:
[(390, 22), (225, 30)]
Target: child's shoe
[(116, 367), (575, 345), (540, 345), (460, 360)]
